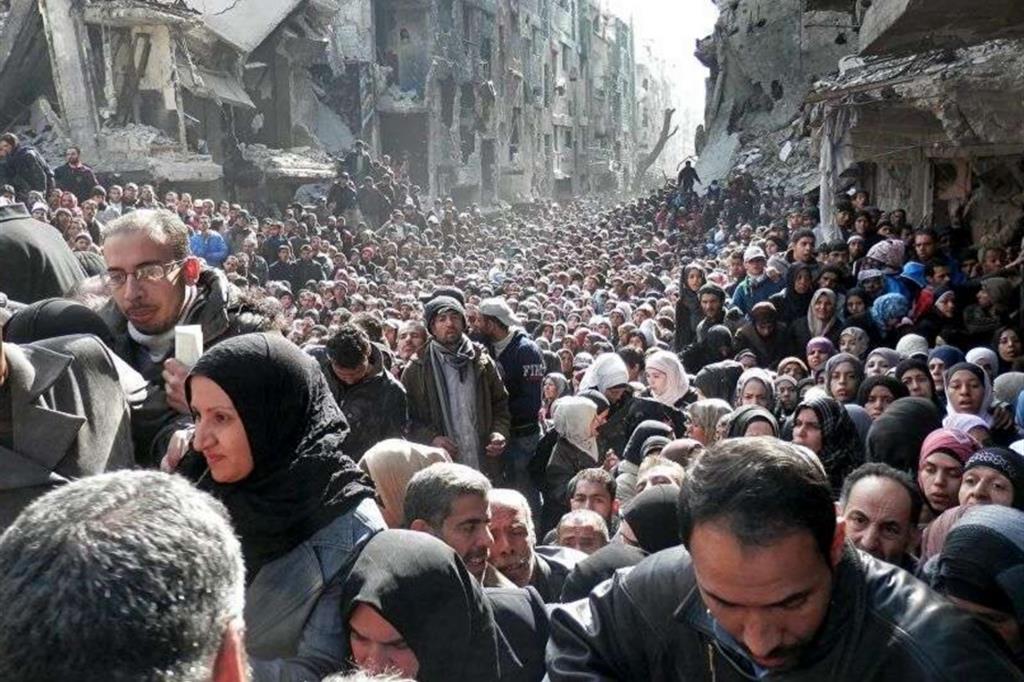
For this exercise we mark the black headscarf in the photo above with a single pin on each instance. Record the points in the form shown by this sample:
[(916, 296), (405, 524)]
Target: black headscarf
[(420, 586), (791, 305), (983, 559), (54, 317), (652, 516), (301, 480), (747, 415), (894, 385), (896, 436), (644, 430), (918, 364), (719, 380)]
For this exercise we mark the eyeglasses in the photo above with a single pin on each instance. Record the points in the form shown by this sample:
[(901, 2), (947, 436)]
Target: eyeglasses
[(149, 273)]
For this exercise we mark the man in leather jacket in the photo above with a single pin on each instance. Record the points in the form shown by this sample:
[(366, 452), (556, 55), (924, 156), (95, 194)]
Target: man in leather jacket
[(767, 587)]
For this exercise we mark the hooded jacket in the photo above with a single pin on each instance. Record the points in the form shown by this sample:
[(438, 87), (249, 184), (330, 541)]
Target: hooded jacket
[(883, 624)]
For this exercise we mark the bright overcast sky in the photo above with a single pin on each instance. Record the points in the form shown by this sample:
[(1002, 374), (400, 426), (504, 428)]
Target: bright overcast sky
[(674, 26)]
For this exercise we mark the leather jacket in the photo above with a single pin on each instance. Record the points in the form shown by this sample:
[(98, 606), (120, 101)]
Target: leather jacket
[(650, 623)]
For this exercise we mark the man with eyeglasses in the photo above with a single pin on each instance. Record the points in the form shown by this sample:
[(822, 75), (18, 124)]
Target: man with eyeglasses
[(156, 284)]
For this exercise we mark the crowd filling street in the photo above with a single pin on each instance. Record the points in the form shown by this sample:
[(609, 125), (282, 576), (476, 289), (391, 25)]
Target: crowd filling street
[(700, 434)]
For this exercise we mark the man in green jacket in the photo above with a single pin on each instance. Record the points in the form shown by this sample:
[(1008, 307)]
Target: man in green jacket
[(457, 400)]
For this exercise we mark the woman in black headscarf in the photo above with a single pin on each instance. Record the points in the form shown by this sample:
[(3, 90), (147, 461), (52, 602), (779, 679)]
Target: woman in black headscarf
[(877, 393), (411, 607), (895, 437), (270, 438), (629, 467), (980, 571), (794, 301), (753, 420)]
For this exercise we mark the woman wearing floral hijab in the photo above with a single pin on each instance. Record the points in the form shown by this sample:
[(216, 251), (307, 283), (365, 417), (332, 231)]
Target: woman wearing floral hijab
[(887, 313), (823, 426), (855, 341)]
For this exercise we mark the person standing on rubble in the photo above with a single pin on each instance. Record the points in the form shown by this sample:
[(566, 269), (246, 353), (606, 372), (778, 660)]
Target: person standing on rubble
[(74, 176), (24, 168)]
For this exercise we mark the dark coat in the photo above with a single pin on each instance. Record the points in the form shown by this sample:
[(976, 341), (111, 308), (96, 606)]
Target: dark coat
[(79, 181), (652, 624), (552, 565), (425, 413), (27, 171), (522, 623), (71, 418), (566, 461), (522, 369), (35, 263), (376, 407)]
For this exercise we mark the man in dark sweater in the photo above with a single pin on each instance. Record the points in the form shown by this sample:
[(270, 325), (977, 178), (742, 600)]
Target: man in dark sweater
[(522, 369), (74, 176)]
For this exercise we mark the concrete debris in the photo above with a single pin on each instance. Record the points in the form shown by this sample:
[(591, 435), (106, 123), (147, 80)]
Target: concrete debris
[(300, 163)]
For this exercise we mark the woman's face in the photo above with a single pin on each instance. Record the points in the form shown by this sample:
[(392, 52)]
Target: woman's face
[(697, 432), (794, 370), (816, 357), (694, 280), (550, 390), (754, 393), (596, 423), (759, 427), (855, 305), (946, 306), (984, 485), (937, 368), (1009, 345), (876, 366), (939, 479), (965, 392), (917, 383), (657, 380), (848, 344), (807, 430), (803, 282), (842, 382), (824, 308), (377, 647), (879, 398), (787, 394), (220, 435)]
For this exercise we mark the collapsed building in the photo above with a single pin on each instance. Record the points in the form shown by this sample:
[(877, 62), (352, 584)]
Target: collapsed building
[(917, 101), (482, 100)]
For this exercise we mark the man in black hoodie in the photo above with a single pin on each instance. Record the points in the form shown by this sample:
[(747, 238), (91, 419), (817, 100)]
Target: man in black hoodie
[(24, 168)]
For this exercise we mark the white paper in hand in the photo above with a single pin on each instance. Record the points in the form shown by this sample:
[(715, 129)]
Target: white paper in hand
[(188, 344)]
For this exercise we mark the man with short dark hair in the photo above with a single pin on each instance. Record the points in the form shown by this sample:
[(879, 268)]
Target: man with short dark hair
[(881, 506), (594, 489), (767, 586), (74, 176), (160, 585), (372, 399)]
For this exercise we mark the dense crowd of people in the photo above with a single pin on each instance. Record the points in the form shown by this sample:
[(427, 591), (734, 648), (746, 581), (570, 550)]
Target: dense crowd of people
[(689, 436)]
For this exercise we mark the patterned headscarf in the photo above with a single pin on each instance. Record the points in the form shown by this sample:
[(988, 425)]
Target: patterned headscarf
[(890, 254), (860, 338), (888, 308), (841, 448)]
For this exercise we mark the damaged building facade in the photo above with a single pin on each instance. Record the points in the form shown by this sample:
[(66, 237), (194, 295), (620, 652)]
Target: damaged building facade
[(483, 100), (917, 101)]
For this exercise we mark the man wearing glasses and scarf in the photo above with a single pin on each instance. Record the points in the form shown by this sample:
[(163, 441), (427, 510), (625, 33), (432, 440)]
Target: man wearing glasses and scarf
[(155, 284)]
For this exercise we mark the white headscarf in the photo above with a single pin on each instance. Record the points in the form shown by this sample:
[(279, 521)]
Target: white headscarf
[(983, 356), (678, 383), (572, 419), (607, 371)]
